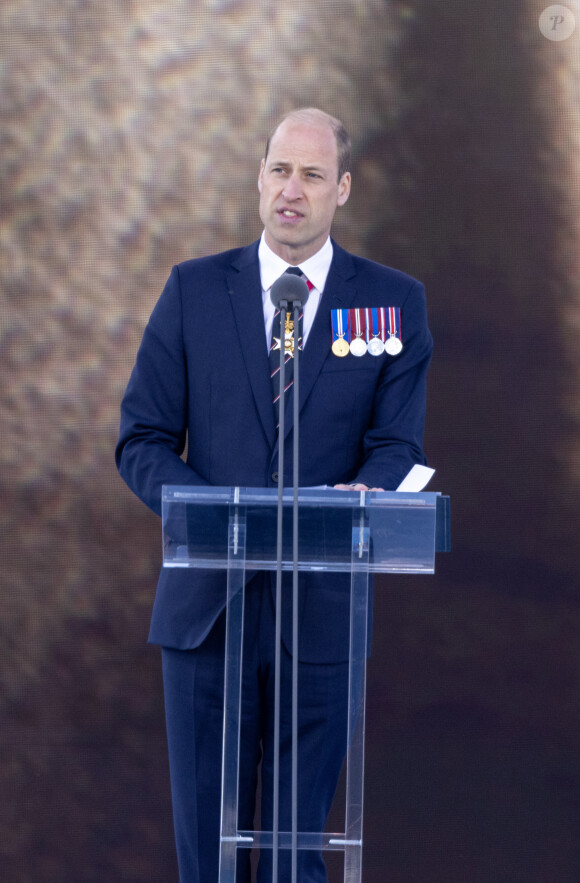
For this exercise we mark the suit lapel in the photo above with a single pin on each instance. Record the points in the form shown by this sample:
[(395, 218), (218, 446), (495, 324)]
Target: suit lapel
[(244, 288), (339, 292)]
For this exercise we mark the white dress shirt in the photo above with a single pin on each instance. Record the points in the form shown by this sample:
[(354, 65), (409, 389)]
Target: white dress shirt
[(315, 269)]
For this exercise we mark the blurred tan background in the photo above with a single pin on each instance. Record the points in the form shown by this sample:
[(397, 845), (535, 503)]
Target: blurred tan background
[(130, 139)]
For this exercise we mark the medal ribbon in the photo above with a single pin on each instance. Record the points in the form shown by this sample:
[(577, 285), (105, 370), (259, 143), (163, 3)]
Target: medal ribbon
[(382, 323), (339, 324), (357, 324), (395, 322), (375, 320), (368, 312)]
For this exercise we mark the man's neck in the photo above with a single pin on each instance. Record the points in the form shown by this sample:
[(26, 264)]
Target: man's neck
[(291, 256)]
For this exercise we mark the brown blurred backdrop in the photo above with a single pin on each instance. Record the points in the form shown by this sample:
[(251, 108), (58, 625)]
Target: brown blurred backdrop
[(130, 138)]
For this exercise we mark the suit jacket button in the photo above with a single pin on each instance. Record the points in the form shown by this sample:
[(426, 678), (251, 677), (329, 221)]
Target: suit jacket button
[(275, 477)]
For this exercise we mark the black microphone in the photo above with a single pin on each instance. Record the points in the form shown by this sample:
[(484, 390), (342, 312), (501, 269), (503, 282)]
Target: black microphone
[(290, 290)]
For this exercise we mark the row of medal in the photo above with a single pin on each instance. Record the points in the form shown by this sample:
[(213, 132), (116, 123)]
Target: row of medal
[(374, 330)]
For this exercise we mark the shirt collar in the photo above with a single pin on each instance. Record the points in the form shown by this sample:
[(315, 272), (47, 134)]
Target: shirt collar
[(314, 268)]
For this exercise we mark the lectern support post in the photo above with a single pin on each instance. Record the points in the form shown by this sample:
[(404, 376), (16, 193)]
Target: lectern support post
[(230, 839), (359, 596)]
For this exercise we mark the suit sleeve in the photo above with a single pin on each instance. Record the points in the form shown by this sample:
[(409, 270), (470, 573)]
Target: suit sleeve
[(393, 442), (154, 410)]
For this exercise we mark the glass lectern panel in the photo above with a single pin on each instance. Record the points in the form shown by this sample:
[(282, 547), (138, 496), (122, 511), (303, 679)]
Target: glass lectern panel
[(402, 528)]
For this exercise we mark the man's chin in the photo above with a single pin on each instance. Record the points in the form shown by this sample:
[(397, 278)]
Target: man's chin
[(290, 228)]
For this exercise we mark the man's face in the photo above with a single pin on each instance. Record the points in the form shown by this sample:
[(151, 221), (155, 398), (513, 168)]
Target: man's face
[(299, 191)]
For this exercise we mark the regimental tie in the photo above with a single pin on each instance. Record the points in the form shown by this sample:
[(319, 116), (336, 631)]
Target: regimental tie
[(288, 342)]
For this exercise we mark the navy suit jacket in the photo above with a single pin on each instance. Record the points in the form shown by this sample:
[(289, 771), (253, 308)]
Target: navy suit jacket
[(202, 382)]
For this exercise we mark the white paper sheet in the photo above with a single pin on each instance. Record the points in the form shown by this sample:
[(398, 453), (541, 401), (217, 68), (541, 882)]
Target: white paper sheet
[(417, 479)]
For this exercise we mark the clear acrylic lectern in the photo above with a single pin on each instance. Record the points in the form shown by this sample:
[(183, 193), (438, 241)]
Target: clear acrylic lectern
[(235, 529)]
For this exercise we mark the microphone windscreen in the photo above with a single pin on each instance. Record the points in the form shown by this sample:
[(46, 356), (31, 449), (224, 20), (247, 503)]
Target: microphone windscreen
[(291, 289)]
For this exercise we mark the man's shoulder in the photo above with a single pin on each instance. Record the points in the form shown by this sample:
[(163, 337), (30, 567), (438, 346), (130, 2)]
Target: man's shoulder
[(221, 261), (383, 272), (370, 271)]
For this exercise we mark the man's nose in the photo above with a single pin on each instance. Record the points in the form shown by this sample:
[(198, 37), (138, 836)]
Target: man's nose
[(293, 187)]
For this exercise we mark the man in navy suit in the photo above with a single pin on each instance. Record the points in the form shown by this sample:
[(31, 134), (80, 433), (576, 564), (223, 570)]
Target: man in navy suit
[(202, 381)]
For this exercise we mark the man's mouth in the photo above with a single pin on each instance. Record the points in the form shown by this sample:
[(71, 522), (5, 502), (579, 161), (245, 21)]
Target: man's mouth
[(288, 213)]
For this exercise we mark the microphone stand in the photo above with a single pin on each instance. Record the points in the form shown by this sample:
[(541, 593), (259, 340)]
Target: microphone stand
[(283, 304), (278, 621), (295, 603)]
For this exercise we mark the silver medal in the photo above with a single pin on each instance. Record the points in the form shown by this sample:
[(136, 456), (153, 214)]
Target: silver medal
[(393, 346), (376, 346), (358, 346)]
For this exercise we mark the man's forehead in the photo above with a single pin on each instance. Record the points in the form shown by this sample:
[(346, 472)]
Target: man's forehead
[(309, 144)]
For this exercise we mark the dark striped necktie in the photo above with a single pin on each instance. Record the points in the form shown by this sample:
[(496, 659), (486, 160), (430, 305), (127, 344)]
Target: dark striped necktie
[(278, 341)]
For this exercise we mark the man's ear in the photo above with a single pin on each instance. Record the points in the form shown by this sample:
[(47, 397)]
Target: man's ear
[(261, 175), (343, 189)]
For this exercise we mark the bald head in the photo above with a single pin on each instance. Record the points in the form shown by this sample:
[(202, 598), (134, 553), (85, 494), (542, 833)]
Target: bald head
[(314, 116)]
